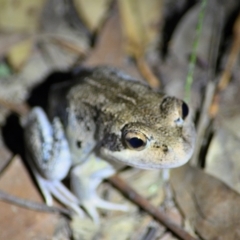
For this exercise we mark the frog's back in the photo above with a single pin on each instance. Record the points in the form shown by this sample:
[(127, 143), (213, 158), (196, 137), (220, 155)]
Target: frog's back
[(96, 101), (128, 121), (94, 87), (111, 90)]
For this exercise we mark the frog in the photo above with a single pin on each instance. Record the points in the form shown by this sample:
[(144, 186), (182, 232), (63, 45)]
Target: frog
[(100, 121)]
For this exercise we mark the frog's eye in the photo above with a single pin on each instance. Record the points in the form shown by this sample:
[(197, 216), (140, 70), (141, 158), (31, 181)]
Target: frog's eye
[(184, 110), (184, 113), (135, 140)]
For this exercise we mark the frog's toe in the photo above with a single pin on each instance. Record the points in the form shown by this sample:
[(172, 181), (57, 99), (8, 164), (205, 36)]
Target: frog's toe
[(63, 195), (54, 188), (100, 203), (95, 202), (91, 211), (43, 185), (85, 188)]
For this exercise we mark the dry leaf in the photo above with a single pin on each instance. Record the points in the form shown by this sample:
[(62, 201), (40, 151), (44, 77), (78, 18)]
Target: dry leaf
[(223, 156), (212, 207), (92, 12), (224, 153), (108, 49), (83, 228), (233, 56), (25, 223), (20, 15), (19, 54), (140, 24), (180, 49)]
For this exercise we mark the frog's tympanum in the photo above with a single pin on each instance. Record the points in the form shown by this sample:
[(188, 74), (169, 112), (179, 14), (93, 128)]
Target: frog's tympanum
[(103, 115)]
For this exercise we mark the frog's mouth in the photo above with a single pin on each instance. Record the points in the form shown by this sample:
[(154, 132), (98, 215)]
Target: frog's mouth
[(146, 160)]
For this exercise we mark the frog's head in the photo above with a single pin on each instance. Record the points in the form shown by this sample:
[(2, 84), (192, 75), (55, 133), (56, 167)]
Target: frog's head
[(158, 140)]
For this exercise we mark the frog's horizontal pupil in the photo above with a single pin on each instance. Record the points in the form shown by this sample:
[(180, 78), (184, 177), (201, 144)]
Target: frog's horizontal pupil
[(135, 142)]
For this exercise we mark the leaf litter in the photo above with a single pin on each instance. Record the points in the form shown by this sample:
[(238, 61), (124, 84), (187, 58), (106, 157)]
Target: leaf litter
[(208, 205)]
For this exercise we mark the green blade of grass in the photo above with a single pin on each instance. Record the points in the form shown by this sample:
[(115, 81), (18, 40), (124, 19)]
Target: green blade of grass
[(192, 63)]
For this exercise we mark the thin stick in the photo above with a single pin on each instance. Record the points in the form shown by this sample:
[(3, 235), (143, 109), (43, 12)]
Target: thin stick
[(32, 205), (226, 75), (149, 208), (147, 73)]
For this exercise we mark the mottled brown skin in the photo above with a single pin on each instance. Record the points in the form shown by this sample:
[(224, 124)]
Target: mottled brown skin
[(103, 115), (103, 105)]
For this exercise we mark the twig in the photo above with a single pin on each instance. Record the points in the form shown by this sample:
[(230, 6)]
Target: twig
[(69, 46), (147, 73), (149, 208), (204, 124), (32, 205), (231, 62), (232, 58)]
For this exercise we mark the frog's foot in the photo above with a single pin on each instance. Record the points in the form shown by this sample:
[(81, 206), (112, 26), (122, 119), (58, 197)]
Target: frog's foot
[(56, 189), (85, 188)]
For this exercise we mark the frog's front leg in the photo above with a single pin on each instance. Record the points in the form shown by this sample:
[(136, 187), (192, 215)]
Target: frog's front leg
[(85, 179), (48, 155)]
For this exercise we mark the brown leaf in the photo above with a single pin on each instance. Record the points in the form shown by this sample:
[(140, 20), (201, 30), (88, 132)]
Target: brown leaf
[(223, 156), (109, 50), (20, 15), (140, 23), (232, 58), (211, 206), (92, 12), (17, 222), (19, 54)]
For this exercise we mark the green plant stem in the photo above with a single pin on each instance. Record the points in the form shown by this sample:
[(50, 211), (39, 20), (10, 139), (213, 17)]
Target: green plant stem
[(192, 63)]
